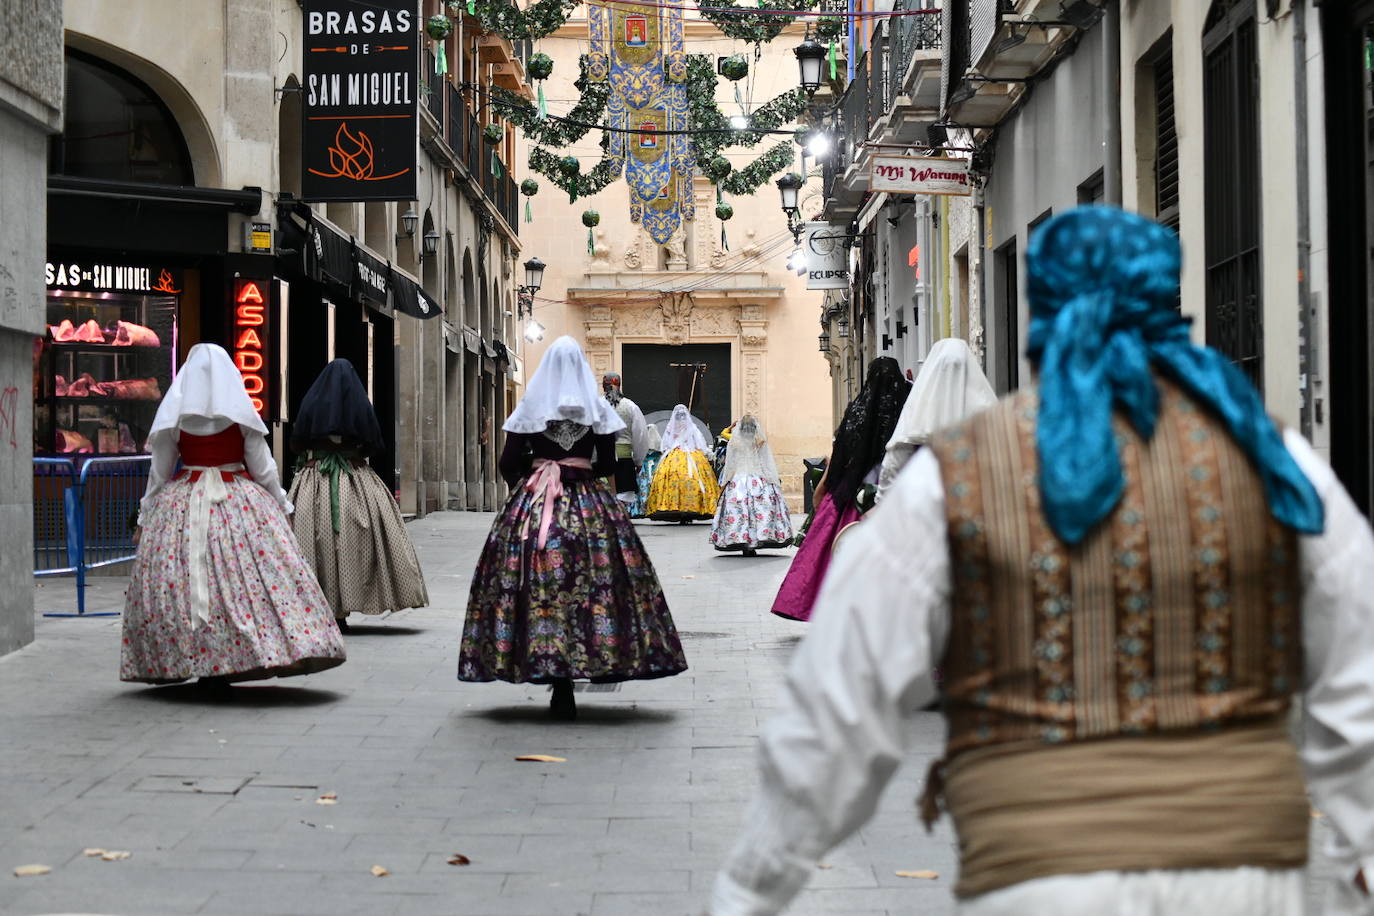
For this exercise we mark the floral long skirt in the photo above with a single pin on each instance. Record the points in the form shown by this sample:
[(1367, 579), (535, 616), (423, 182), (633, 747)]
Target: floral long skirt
[(369, 564), (646, 478), (684, 488), (586, 606), (267, 615), (802, 584), (751, 514)]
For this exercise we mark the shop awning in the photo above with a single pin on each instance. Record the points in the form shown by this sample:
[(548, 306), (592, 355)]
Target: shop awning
[(409, 299), (328, 254), (371, 279)]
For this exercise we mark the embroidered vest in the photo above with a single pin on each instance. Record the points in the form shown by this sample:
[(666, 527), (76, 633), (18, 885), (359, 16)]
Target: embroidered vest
[(1179, 612)]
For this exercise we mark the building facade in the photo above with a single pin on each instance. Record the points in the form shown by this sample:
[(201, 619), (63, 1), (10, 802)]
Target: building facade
[(175, 191), (30, 111)]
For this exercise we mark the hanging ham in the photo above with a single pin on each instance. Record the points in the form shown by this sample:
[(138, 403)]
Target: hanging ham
[(128, 334)]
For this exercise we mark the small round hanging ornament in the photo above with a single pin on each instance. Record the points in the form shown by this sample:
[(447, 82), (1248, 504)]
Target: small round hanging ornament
[(493, 134), (539, 66), (718, 168), (724, 211), (439, 27), (735, 67), (590, 218), (529, 187), (569, 166)]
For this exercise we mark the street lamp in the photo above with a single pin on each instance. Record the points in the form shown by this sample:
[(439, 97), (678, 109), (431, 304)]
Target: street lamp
[(842, 323), (789, 188), (810, 57), (534, 275), (430, 243), (797, 261), (534, 331), (409, 221), (818, 144), (824, 341)]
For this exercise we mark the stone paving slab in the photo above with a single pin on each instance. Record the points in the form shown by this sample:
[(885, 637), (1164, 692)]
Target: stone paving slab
[(216, 799)]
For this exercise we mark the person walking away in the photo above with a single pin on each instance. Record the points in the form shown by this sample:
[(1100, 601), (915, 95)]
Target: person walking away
[(645, 477), (752, 512), (1130, 574), (563, 589), (631, 443), (684, 487), (219, 590), (868, 423), (347, 521), (951, 387)]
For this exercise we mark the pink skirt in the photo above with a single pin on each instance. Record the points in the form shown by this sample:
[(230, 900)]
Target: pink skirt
[(802, 584), (268, 617)]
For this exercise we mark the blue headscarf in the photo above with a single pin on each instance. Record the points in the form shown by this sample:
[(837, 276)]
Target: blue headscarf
[(1103, 284)]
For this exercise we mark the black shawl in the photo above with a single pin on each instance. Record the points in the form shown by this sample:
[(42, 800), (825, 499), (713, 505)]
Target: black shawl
[(337, 405), (868, 423)]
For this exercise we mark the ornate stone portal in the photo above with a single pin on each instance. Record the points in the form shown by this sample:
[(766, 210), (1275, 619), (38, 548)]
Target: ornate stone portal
[(681, 317)]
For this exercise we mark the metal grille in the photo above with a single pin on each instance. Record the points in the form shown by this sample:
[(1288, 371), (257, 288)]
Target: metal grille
[(1231, 171), (1166, 142)]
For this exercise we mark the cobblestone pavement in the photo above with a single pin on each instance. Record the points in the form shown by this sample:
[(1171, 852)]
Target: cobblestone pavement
[(217, 801)]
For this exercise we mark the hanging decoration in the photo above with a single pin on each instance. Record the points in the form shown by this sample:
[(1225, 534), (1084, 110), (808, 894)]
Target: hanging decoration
[(555, 132), (543, 17), (735, 67), (439, 27), (529, 187), (750, 26), (590, 219), (539, 67)]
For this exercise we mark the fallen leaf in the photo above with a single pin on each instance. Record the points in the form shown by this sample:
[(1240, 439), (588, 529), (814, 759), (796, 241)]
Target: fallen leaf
[(115, 855), (927, 875), (92, 852), (379, 871), (29, 871), (541, 758), (459, 859), (328, 798)]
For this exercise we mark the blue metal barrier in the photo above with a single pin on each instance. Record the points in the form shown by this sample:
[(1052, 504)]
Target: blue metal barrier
[(85, 522)]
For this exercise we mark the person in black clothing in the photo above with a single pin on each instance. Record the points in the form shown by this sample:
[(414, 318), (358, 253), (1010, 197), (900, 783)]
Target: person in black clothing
[(564, 590)]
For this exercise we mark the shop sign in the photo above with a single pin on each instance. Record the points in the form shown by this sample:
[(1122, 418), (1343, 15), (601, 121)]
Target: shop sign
[(250, 339), (827, 257), (111, 278), (919, 175), (371, 278), (360, 100)]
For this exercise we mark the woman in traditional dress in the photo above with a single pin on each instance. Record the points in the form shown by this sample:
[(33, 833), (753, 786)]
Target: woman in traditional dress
[(564, 590), (950, 388), (684, 488), (347, 522), (852, 471), (219, 589), (646, 470), (751, 512)]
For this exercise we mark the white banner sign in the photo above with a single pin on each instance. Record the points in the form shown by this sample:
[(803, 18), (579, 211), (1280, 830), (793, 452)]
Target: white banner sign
[(919, 175), (827, 263)]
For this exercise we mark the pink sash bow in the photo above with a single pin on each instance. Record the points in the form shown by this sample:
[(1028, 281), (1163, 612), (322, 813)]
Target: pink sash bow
[(547, 480)]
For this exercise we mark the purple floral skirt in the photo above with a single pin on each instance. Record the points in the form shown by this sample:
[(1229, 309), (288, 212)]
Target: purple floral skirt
[(587, 606)]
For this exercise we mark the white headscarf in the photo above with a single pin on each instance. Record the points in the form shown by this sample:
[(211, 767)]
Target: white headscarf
[(209, 386), (655, 438), (748, 453), (681, 432), (563, 388), (950, 387)]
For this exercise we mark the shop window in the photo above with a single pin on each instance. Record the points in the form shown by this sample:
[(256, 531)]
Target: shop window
[(1166, 137), (1093, 191), (1009, 319), (116, 128)]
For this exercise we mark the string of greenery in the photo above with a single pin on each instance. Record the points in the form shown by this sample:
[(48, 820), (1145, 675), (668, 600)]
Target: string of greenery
[(753, 176), (748, 24), (556, 131), (578, 184), (543, 17), (704, 115)]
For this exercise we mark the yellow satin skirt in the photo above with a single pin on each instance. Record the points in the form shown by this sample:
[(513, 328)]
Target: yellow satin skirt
[(684, 488)]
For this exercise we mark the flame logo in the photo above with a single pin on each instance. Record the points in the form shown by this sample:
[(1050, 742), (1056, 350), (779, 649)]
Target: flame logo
[(164, 283), (351, 157)]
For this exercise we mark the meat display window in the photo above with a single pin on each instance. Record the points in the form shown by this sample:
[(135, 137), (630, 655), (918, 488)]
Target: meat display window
[(101, 371)]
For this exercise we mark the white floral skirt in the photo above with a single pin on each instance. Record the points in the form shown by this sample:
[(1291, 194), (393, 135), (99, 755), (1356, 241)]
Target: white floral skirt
[(267, 615), (751, 514)]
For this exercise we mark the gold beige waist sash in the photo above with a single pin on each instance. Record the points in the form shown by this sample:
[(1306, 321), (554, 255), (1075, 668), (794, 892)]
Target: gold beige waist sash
[(1198, 800)]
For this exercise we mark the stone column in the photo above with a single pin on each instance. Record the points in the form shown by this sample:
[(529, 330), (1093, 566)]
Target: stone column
[(600, 327), (753, 344)]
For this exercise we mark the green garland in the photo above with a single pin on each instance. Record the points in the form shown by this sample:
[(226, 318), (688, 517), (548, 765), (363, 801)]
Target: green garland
[(704, 116), (553, 131), (579, 184), (750, 26), (753, 176), (543, 17)]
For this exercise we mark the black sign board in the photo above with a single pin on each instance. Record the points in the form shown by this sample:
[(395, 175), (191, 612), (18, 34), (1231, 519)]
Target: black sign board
[(360, 99), (371, 279)]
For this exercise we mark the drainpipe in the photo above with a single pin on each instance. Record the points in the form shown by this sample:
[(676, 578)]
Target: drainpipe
[(947, 319), (1111, 76), (979, 314), (1307, 368)]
